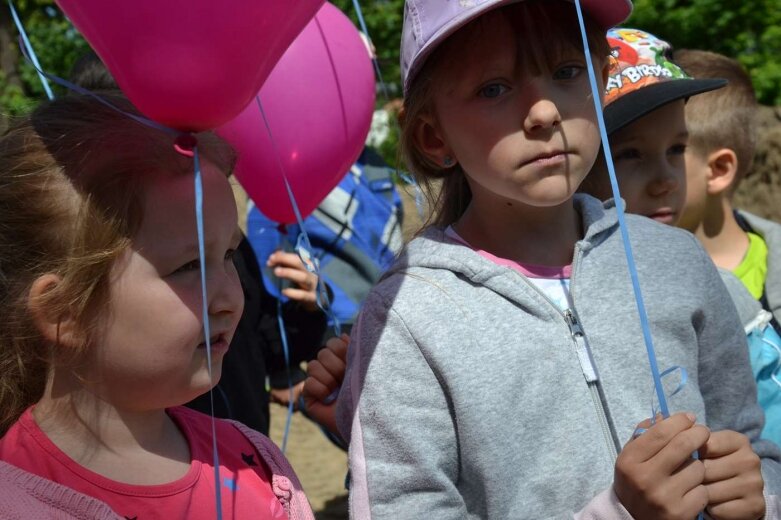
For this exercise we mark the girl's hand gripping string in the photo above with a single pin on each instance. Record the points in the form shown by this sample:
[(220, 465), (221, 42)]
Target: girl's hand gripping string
[(732, 477), (290, 267), (656, 477), (324, 378)]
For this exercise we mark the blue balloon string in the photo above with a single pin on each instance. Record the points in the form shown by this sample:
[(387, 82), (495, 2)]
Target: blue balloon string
[(83, 91), (375, 61), (206, 327), (286, 352), (622, 223), (29, 51), (303, 245), (649, 346)]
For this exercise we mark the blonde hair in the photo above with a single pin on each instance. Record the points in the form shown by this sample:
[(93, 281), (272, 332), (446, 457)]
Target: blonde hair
[(72, 176), (554, 23), (722, 118)]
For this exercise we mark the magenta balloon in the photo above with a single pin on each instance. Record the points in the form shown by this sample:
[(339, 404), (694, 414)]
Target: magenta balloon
[(318, 101), (190, 64)]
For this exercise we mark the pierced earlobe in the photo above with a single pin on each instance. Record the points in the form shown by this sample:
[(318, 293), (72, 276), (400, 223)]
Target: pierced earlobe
[(447, 161)]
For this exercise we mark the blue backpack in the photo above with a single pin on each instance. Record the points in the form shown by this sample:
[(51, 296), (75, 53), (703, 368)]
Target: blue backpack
[(355, 234)]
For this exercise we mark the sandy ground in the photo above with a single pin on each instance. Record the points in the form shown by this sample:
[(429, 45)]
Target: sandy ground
[(320, 465)]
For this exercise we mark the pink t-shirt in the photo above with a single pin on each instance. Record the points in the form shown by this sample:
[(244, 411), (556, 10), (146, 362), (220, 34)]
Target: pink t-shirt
[(528, 270), (553, 281), (246, 487)]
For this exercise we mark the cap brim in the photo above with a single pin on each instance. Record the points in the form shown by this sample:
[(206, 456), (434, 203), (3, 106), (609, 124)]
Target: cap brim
[(607, 13), (631, 107)]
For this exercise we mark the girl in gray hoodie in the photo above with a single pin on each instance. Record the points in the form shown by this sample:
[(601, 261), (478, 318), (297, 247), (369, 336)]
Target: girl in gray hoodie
[(498, 367)]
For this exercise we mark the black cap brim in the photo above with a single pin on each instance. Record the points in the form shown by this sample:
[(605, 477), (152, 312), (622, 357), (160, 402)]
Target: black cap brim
[(631, 107)]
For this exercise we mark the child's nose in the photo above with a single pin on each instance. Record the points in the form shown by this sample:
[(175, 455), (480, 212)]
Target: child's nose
[(666, 182), (543, 114), (225, 293)]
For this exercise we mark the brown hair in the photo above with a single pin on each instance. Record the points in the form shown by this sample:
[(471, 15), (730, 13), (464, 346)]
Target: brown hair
[(554, 23), (722, 118), (72, 176)]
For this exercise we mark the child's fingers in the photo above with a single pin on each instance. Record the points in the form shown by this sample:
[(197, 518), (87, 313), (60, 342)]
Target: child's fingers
[(338, 346), (695, 501), (731, 493), (283, 258), (300, 277), (332, 362), (315, 390), (300, 295), (728, 466), (680, 448), (657, 437), (316, 370), (723, 443), (688, 475)]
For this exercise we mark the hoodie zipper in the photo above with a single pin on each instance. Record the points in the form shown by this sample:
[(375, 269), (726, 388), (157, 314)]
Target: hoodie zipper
[(592, 381), (586, 362)]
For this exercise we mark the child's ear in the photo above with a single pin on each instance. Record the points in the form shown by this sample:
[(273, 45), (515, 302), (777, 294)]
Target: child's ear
[(723, 166), (54, 327), (432, 143)]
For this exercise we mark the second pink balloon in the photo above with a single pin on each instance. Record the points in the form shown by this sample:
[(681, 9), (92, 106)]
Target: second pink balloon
[(318, 101)]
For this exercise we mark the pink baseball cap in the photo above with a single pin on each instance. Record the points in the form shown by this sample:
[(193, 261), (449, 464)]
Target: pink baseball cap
[(427, 23)]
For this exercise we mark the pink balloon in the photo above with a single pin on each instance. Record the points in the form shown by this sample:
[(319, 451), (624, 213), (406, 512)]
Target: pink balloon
[(318, 102), (190, 64)]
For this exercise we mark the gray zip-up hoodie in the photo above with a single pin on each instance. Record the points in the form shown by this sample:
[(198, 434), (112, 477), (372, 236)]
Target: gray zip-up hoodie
[(470, 395), (771, 233)]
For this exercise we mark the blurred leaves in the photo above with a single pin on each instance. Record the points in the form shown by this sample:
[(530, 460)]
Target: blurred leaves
[(749, 30)]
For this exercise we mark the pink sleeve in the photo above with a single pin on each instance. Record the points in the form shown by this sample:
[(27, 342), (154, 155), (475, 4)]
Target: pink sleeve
[(604, 506)]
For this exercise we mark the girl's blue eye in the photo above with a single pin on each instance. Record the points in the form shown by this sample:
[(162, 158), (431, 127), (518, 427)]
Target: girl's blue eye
[(568, 72), (626, 154), (493, 90)]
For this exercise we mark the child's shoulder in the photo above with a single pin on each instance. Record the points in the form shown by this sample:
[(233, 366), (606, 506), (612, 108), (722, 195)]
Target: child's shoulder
[(769, 230), (26, 495), (429, 264)]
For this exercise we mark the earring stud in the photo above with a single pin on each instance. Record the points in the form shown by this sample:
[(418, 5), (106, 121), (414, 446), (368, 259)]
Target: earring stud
[(447, 161)]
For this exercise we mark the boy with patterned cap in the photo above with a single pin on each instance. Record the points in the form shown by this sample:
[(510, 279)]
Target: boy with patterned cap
[(647, 99)]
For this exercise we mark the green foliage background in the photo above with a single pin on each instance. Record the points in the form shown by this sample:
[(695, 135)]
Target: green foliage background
[(747, 29)]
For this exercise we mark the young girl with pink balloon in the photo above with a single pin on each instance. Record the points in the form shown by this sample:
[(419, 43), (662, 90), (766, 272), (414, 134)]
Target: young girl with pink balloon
[(102, 337), (497, 370)]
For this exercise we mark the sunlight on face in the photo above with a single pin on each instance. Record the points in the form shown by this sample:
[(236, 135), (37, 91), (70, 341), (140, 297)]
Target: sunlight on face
[(521, 136), (152, 351)]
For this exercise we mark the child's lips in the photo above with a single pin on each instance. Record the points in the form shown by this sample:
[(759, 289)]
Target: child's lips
[(664, 215), (218, 342), (548, 158)]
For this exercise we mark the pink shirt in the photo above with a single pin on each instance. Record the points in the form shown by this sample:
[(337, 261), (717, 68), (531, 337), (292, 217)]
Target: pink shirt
[(245, 485), (528, 270)]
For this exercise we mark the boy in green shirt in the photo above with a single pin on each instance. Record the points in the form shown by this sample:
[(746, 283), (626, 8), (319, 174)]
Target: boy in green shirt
[(722, 138)]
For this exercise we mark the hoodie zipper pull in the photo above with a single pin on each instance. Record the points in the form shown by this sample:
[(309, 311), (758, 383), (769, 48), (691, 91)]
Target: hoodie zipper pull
[(581, 349)]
